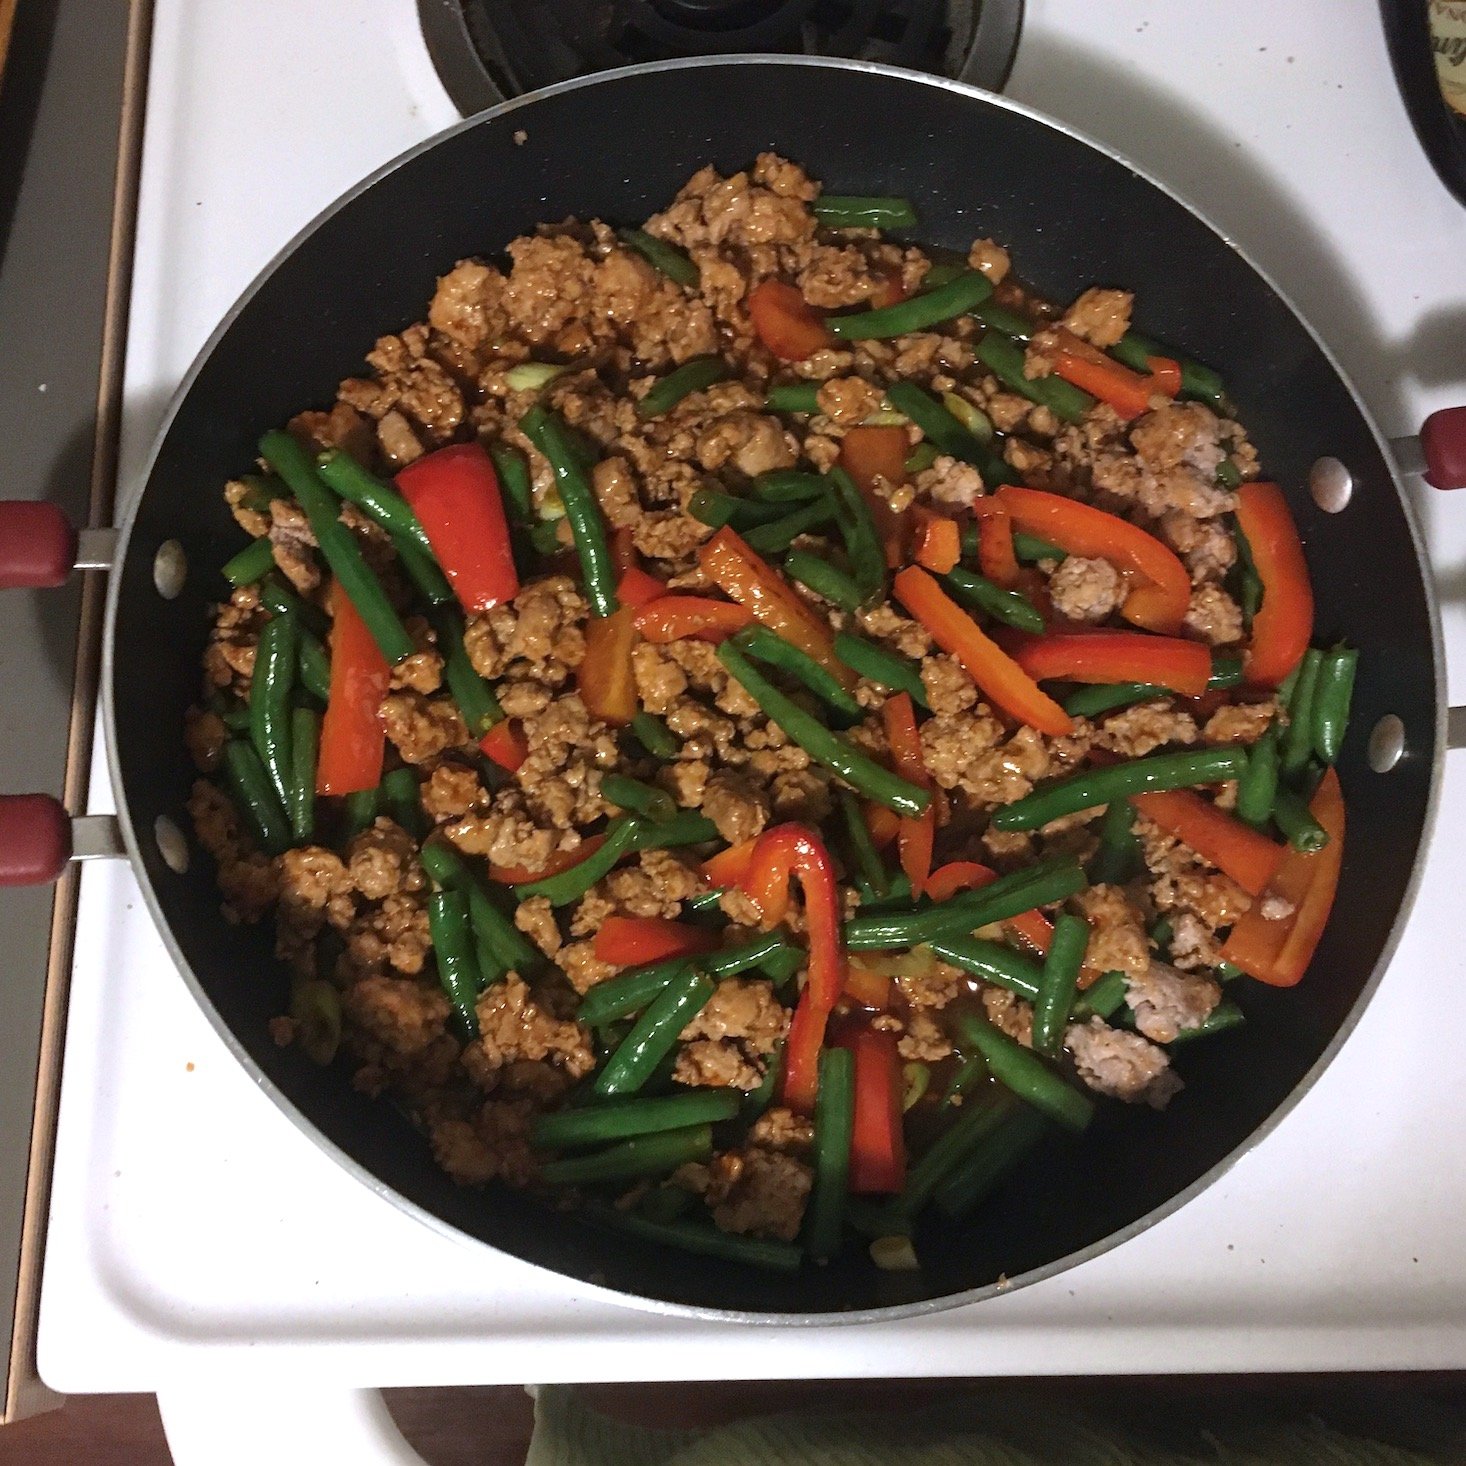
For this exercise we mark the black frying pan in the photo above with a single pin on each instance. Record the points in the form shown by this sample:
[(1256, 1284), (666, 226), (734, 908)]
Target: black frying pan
[(617, 146)]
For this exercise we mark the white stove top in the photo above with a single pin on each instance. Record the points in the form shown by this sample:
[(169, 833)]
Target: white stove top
[(194, 1229)]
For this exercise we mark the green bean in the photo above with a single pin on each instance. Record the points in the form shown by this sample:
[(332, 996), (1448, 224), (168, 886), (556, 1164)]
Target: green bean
[(630, 991), (788, 485), (756, 1101), (1228, 971), (572, 883), (692, 376), (305, 737), (653, 1034), (1224, 1016), (881, 665), (1296, 823), (767, 646), (1091, 701), (716, 508), (381, 501), (1040, 884), (1030, 549), (315, 1009), (639, 798), (1010, 607), (921, 457), (856, 211), (1102, 998), (780, 966), (989, 1162), (704, 1239), (972, 1072), (236, 718), (834, 1122), (793, 397), (1297, 743), (1331, 701), (916, 313), (511, 468), (1197, 381), (857, 527), (992, 962), (530, 376), (1026, 1074), (824, 747), (269, 701), (281, 600), (501, 946), (457, 969), (656, 1154), (867, 858), (261, 490), (255, 795), (1004, 358), (1229, 476), (544, 538), (313, 667), (473, 696), (402, 798), (551, 436), (1119, 857), (1138, 776), (823, 579), (938, 424), (617, 1120), (256, 559), (686, 827), (1056, 990), (1258, 787), (949, 1150), (653, 736), (666, 257), (422, 570), (1161, 933), (1009, 322), (776, 537), (338, 545), (1226, 671), (358, 810)]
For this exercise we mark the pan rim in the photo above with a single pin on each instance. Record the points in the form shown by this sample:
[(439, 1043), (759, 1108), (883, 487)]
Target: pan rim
[(895, 1312)]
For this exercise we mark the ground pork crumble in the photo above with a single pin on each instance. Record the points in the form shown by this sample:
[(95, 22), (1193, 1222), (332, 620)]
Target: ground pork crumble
[(576, 318)]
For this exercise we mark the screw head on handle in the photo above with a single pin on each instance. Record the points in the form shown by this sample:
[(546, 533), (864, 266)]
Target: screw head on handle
[(37, 545), (35, 839), (1443, 441)]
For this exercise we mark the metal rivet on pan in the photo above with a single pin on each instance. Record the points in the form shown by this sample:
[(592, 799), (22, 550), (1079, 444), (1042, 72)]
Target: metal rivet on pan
[(1386, 744), (1331, 484), (171, 844), (170, 569)]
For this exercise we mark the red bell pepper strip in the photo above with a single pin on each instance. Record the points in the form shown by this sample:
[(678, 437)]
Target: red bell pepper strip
[(628, 941), (995, 557), (751, 581), (877, 1142), (350, 757), (916, 836), (874, 455), (1283, 625), (967, 875), (785, 322), (869, 989), (634, 586), (938, 542), (884, 824), (1278, 952), (605, 679), (729, 867), (998, 677), (673, 618), (1160, 603), (1251, 859), (795, 849), (506, 744), (455, 494), (1117, 656), (519, 875)]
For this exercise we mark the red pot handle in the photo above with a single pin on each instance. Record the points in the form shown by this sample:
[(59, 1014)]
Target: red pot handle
[(37, 544), (35, 839), (1443, 441)]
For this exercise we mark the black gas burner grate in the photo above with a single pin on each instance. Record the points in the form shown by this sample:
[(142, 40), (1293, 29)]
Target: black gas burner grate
[(487, 50)]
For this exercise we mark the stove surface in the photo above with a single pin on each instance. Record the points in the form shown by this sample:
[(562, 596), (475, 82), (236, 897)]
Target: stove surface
[(194, 1228)]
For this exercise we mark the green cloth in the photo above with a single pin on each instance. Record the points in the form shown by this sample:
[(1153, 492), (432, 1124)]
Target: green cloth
[(974, 1430)]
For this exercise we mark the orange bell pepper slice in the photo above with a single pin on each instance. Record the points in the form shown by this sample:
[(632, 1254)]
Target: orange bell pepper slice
[(995, 556), (1117, 656), (1251, 859), (1283, 625), (629, 941), (1160, 603), (1165, 372), (785, 322), (877, 1140), (1126, 391), (869, 989), (751, 581), (506, 744), (916, 835), (673, 618), (352, 747), (605, 678), (519, 875), (998, 677), (729, 867), (1278, 952), (938, 542), (872, 455), (634, 586)]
